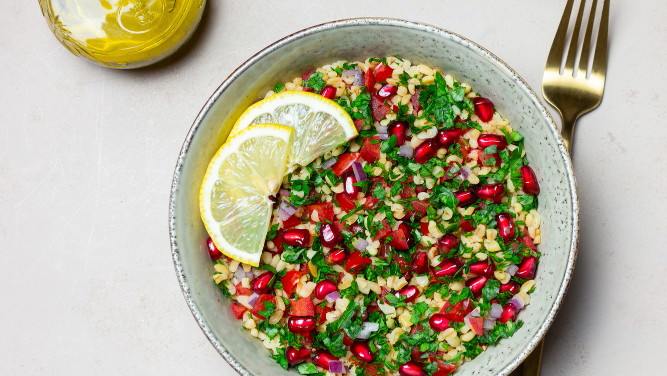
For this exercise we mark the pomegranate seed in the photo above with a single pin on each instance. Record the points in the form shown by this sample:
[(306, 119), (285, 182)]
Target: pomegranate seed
[(324, 288), (412, 368), (328, 92), (213, 251), (486, 140), (398, 129), (508, 314), (295, 356), (466, 225), (420, 263), (446, 268), (491, 192), (330, 236), (448, 136), (447, 243), (439, 322), (297, 237), (387, 91), (483, 268), (483, 108), (322, 359), (511, 287), (262, 283), (337, 256), (527, 268), (465, 198), (349, 182), (505, 226), (410, 292), (426, 150), (362, 351), (300, 324), (476, 284), (529, 180), (356, 262)]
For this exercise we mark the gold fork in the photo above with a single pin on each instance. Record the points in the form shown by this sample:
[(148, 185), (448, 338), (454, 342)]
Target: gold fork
[(573, 90)]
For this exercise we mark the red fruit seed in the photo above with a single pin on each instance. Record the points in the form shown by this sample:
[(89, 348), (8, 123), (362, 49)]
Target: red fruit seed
[(505, 226), (447, 243), (527, 268), (529, 180), (508, 314), (328, 92), (486, 140), (262, 283), (426, 150), (448, 136), (324, 288), (322, 359), (491, 192), (410, 292), (297, 324), (398, 129), (213, 251), (465, 198), (337, 256), (362, 351), (297, 237), (511, 287), (387, 91), (295, 356), (412, 368), (483, 268), (438, 322), (476, 284), (420, 263), (483, 108), (446, 268)]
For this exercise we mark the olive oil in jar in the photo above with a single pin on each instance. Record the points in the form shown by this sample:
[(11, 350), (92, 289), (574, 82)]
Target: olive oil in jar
[(122, 34)]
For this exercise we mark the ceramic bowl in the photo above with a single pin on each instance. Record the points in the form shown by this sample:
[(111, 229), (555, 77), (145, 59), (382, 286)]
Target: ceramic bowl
[(358, 39)]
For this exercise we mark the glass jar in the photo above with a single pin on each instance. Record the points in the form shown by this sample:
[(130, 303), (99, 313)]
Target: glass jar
[(123, 34)]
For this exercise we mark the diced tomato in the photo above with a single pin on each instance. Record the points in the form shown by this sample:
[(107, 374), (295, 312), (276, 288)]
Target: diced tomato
[(238, 310), (400, 238), (345, 201), (408, 191), (324, 211), (347, 341), (493, 159), (303, 307), (370, 151), (382, 72), (358, 123), (457, 312), (309, 89), (322, 313), (423, 228), (306, 75), (344, 163), (340, 226), (259, 304), (383, 231), (290, 280), (418, 208), (292, 222), (356, 261), (372, 370), (477, 324), (380, 109), (528, 242), (240, 290), (444, 369), (369, 81), (466, 225), (370, 202)]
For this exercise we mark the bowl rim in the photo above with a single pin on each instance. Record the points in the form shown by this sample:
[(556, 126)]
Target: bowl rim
[(385, 21)]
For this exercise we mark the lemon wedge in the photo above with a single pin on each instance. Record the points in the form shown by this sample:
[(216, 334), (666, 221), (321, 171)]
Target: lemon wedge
[(234, 197), (320, 124)]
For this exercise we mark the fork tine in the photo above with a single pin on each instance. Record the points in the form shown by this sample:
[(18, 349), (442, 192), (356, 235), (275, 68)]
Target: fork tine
[(600, 57), (558, 46), (574, 43), (585, 51)]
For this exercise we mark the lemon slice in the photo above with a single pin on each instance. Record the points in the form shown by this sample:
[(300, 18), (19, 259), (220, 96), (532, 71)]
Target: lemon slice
[(234, 197), (320, 123)]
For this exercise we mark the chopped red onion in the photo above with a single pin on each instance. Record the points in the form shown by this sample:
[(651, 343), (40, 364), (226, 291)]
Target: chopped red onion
[(329, 163), (489, 324), (518, 301), (253, 299), (335, 366), (474, 313), (357, 73), (346, 369), (383, 136), (360, 245), (332, 296), (286, 210), (359, 171), (240, 273), (496, 311), (382, 129), (465, 172), (406, 151), (512, 269), (284, 192)]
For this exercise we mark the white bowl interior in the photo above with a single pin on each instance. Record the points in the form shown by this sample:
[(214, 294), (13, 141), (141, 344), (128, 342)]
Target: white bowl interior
[(357, 40)]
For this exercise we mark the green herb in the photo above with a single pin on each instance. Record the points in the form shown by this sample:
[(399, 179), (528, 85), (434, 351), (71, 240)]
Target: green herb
[(278, 88), (315, 82), (431, 367), (527, 202), (307, 369), (279, 357), (418, 310), (269, 309), (490, 289), (294, 255), (271, 330), (388, 145), (500, 331), (396, 301), (379, 192), (437, 100), (334, 343)]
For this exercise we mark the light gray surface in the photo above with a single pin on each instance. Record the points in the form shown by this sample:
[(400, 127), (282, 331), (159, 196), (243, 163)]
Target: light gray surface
[(87, 155)]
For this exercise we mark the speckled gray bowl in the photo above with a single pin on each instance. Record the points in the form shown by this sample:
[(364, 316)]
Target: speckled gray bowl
[(358, 39)]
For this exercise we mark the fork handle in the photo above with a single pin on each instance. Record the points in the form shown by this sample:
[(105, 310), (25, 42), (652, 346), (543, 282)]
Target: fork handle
[(568, 121), (531, 366)]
